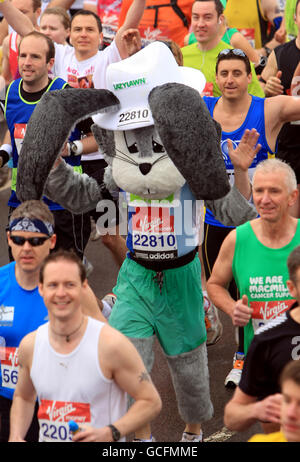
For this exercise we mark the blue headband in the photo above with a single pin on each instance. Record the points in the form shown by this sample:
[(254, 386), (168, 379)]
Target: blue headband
[(31, 225)]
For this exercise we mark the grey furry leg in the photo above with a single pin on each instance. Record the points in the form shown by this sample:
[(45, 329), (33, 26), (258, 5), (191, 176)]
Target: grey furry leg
[(145, 348), (190, 376)]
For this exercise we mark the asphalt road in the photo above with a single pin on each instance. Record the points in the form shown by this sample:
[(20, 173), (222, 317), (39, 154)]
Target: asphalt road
[(168, 426)]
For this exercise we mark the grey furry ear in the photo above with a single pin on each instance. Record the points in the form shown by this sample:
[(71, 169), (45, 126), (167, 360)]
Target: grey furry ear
[(48, 129), (190, 138), (106, 142)]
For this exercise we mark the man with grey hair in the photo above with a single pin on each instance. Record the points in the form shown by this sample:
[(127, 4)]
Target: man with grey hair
[(258, 397), (255, 254)]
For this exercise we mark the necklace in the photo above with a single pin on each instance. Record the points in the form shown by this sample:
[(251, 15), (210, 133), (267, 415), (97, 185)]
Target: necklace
[(71, 333)]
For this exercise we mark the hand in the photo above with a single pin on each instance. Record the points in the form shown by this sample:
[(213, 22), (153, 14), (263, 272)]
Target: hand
[(280, 35), (132, 41), (242, 157), (273, 86), (269, 409), (65, 152), (242, 312), (90, 434)]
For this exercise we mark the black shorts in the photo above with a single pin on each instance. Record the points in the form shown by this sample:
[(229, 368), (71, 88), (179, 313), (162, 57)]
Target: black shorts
[(72, 231), (33, 431)]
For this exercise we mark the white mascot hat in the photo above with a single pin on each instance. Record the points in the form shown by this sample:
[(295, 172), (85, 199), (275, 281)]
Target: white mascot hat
[(132, 79)]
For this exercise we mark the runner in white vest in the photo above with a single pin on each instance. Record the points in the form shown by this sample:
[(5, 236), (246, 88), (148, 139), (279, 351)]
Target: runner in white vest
[(79, 368)]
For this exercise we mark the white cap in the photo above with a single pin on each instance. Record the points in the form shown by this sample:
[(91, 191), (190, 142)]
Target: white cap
[(132, 79)]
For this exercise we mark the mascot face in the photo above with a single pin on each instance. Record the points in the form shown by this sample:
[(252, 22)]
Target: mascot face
[(142, 166)]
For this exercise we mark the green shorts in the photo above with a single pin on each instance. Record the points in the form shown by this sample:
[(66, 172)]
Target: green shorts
[(174, 313)]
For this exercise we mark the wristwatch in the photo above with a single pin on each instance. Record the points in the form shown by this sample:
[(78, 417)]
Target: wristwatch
[(115, 432), (73, 148), (267, 50), (262, 61)]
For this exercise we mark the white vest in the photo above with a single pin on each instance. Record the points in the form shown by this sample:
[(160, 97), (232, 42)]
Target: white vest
[(72, 386)]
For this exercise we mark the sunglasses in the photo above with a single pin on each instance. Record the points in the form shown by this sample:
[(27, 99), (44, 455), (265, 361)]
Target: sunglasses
[(234, 51), (33, 241)]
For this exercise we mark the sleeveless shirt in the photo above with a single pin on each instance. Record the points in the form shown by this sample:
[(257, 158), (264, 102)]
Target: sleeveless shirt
[(72, 386)]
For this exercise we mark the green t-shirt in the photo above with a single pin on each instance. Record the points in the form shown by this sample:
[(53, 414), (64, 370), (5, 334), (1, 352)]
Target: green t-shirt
[(289, 12), (230, 31), (261, 273), (205, 61)]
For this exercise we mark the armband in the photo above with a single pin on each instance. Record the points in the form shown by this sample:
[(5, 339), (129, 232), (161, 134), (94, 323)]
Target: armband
[(262, 80), (75, 148)]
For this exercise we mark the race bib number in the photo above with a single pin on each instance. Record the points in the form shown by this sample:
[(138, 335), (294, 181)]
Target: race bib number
[(9, 366), (54, 417), (19, 134), (266, 311), (153, 234), (134, 116)]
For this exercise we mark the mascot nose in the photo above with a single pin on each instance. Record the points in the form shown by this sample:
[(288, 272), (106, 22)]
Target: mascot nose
[(145, 168)]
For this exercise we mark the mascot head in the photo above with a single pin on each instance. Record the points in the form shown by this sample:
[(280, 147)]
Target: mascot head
[(151, 124)]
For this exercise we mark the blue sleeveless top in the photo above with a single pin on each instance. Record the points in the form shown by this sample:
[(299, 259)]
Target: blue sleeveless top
[(254, 119), (17, 114), (21, 312)]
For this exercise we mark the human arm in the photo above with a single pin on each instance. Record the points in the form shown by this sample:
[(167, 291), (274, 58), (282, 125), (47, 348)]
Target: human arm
[(278, 111), (244, 410), (132, 41), (132, 20), (273, 14), (24, 399), (90, 5), (3, 30), (15, 18), (239, 41), (271, 77), (280, 34), (219, 280), (120, 361), (5, 61), (6, 149), (241, 158), (66, 4), (86, 145), (90, 304)]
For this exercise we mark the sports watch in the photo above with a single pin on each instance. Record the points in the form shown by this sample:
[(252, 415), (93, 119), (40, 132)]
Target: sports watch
[(73, 148), (115, 432)]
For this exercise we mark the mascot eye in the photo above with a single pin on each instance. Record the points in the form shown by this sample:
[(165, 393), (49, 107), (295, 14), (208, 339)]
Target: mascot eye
[(157, 148), (133, 148)]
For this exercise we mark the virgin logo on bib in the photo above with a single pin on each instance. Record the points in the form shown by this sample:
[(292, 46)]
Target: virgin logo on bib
[(54, 417)]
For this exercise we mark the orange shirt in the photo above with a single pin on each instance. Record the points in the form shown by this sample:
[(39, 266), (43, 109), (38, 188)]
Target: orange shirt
[(169, 24)]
